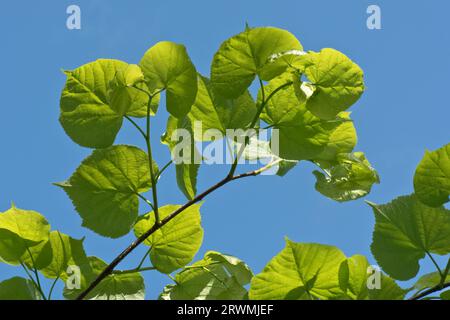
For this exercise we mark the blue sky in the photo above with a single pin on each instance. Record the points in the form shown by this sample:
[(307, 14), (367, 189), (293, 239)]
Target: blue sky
[(402, 112)]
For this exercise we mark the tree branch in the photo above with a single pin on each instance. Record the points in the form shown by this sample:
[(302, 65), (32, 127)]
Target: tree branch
[(110, 268)]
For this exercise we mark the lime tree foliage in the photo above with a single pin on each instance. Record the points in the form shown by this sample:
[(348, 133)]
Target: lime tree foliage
[(306, 96)]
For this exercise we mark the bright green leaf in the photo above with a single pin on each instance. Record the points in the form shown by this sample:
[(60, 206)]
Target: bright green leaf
[(338, 82), (167, 66), (351, 178), (243, 56), (405, 231), (215, 277), (176, 243), (220, 113), (104, 189), (432, 177), (64, 251), (389, 290), (129, 95), (18, 289), (85, 112), (23, 234), (300, 271), (184, 153), (353, 277)]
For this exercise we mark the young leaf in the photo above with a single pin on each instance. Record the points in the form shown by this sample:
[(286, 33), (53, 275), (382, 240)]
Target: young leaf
[(300, 271), (215, 277), (405, 231), (117, 286), (389, 290), (128, 95), (23, 234), (353, 277), (167, 66), (243, 56), (432, 177), (338, 82), (64, 251), (220, 113), (18, 288), (185, 154), (351, 178), (342, 138), (85, 112), (104, 189), (175, 244)]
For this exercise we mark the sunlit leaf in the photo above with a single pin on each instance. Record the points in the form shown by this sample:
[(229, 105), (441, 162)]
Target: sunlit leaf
[(432, 177), (175, 244), (104, 189), (405, 231), (167, 66), (300, 271), (243, 56), (215, 277)]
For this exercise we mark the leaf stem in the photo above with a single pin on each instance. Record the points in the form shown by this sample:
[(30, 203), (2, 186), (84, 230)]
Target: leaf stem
[(253, 123), (435, 264), (146, 200), (136, 126), (36, 274), (133, 270), (150, 162), (143, 258), (446, 271), (36, 285), (52, 287), (159, 174)]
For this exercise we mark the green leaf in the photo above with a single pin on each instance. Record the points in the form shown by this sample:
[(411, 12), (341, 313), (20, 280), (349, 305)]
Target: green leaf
[(429, 280), (117, 286), (342, 138), (389, 290), (285, 166), (243, 56), (445, 295), (300, 271), (167, 66), (184, 153), (432, 177), (351, 178), (18, 288), (176, 243), (129, 95), (405, 231), (23, 234), (303, 136), (353, 277), (85, 112), (338, 82), (215, 277), (64, 251), (217, 112), (104, 189)]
